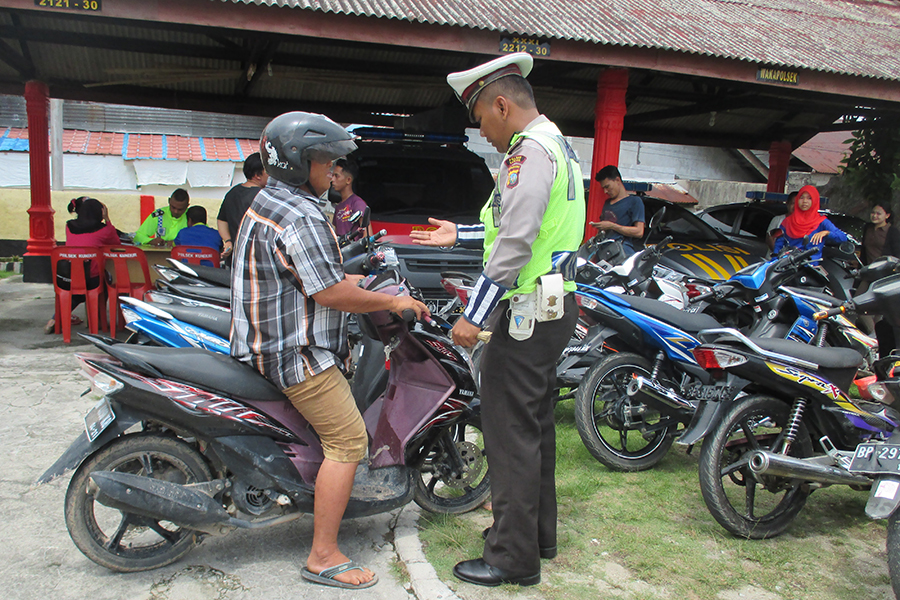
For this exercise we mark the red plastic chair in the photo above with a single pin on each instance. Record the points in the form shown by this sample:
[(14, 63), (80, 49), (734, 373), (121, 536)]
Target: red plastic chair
[(197, 255), (122, 284), (79, 260)]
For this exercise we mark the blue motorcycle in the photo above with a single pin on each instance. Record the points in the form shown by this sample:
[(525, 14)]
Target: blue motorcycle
[(646, 386), (178, 323)]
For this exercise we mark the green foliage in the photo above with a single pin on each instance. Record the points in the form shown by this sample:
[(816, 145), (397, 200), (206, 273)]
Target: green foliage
[(873, 165)]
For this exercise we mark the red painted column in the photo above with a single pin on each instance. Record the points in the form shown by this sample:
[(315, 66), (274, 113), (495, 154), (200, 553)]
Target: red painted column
[(609, 119), (41, 234), (148, 205), (779, 159)]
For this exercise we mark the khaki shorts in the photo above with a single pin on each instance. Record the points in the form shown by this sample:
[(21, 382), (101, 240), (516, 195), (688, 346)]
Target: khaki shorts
[(326, 402)]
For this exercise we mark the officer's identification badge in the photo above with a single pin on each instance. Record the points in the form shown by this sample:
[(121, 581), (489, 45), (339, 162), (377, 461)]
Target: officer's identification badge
[(513, 166)]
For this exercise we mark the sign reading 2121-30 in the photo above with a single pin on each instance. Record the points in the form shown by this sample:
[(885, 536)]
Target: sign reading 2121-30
[(82, 5)]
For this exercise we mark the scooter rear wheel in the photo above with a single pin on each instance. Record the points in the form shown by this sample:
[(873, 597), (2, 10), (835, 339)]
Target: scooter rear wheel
[(893, 551), (122, 541), (454, 477), (750, 506)]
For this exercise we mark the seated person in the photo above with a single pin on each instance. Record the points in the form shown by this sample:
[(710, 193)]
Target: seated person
[(91, 229), (623, 214), (198, 233), (163, 224), (805, 227)]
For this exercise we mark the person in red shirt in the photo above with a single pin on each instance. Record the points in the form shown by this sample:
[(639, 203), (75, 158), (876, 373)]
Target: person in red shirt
[(90, 229)]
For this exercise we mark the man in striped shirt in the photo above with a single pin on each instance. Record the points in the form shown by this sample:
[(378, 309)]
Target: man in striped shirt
[(290, 297)]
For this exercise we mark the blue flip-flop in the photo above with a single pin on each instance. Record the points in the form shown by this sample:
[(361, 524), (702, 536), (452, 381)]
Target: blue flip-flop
[(327, 576)]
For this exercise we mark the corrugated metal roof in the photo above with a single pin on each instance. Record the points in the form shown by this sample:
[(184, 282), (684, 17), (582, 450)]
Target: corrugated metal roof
[(825, 151), (139, 146), (855, 37)]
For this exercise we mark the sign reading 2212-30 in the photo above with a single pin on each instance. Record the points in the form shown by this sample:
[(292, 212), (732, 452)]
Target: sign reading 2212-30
[(89, 5)]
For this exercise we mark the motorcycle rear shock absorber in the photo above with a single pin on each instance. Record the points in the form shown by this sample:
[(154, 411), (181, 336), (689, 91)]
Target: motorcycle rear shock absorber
[(657, 363), (793, 424)]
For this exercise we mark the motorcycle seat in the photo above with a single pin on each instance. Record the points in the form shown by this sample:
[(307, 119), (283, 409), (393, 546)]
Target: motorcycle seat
[(689, 322), (220, 277), (212, 294), (210, 319), (828, 358), (210, 370)]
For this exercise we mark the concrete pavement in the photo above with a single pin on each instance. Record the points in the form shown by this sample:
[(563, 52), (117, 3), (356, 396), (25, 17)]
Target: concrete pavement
[(41, 411)]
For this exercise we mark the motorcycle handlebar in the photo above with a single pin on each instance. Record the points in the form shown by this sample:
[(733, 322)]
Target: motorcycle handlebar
[(658, 249), (796, 258), (701, 297), (831, 312), (354, 248)]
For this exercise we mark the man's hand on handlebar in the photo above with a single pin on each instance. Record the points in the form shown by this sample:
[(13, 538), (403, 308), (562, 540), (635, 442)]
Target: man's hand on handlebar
[(403, 303)]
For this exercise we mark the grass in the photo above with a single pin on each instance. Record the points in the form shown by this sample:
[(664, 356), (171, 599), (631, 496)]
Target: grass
[(649, 535), (6, 274)]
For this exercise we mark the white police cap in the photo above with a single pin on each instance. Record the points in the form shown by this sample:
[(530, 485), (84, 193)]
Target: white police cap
[(468, 84)]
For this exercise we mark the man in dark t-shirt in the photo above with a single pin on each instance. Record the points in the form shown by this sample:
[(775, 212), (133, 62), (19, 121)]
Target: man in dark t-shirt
[(238, 200), (623, 215), (343, 179)]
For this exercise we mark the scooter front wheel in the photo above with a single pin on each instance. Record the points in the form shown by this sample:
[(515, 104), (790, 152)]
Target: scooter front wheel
[(622, 434), (454, 476), (122, 541)]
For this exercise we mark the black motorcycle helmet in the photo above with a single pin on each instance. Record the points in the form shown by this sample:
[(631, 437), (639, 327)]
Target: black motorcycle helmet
[(290, 141)]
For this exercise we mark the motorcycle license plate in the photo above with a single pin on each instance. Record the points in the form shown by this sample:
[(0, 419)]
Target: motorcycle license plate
[(876, 458), (98, 418)]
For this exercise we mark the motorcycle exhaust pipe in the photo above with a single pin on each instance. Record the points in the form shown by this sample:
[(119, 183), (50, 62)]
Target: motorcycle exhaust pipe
[(649, 391), (763, 462), (158, 500)]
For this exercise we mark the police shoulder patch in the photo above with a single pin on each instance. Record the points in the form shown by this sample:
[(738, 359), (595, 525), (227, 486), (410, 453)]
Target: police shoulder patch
[(513, 166)]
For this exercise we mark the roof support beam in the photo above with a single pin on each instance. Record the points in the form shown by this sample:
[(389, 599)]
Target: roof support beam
[(15, 60), (258, 62), (110, 42)]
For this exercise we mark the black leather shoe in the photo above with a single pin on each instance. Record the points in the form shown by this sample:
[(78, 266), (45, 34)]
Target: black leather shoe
[(544, 551), (480, 573)]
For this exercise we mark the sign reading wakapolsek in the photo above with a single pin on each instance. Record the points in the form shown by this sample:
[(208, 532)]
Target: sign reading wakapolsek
[(532, 46), (778, 76)]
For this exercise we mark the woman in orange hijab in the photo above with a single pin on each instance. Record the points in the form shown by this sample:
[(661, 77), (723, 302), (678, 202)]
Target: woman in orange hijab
[(805, 227)]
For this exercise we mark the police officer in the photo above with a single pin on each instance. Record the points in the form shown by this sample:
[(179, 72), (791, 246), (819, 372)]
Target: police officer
[(531, 226), (163, 224)]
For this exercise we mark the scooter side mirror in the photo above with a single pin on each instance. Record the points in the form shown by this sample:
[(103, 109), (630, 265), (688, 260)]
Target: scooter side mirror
[(655, 221), (365, 218)]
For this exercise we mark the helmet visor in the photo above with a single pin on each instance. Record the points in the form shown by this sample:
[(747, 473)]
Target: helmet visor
[(328, 151)]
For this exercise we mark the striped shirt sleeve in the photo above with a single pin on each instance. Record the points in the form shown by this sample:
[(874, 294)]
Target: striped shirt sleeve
[(470, 236), (482, 300)]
